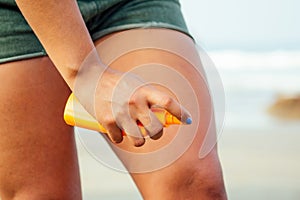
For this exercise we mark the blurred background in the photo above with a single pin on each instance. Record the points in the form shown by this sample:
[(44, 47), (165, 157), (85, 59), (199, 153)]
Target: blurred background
[(255, 46)]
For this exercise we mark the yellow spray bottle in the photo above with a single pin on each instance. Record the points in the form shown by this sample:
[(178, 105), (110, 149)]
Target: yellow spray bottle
[(76, 115)]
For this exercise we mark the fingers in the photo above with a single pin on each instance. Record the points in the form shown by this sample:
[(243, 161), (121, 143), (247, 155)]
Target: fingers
[(113, 131), (160, 99), (152, 125), (136, 109), (132, 131), (128, 125)]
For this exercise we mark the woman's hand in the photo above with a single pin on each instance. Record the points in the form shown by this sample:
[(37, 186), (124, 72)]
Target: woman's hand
[(123, 99)]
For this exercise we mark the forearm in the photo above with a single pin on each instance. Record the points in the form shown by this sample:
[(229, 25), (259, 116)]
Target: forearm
[(60, 28)]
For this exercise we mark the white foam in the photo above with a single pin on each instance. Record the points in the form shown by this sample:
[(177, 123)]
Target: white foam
[(255, 60)]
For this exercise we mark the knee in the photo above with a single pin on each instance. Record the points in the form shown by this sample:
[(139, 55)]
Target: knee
[(196, 184), (201, 179)]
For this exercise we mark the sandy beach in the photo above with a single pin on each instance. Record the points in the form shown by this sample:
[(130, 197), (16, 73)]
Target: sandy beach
[(257, 165), (261, 165)]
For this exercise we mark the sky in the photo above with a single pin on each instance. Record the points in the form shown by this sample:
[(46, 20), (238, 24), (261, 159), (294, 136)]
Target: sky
[(248, 25)]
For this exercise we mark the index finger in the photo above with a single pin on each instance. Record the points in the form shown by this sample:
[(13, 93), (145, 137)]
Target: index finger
[(160, 99)]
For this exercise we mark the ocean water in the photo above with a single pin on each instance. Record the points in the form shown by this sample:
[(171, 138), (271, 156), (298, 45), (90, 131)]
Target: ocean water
[(252, 81), (260, 153)]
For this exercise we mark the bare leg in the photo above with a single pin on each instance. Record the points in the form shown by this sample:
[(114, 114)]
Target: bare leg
[(38, 158), (188, 177)]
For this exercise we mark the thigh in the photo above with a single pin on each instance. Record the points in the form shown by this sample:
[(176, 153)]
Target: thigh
[(169, 59), (37, 149)]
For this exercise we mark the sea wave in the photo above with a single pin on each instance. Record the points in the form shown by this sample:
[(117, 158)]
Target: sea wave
[(229, 59)]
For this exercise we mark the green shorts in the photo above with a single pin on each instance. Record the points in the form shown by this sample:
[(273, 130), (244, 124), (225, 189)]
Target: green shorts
[(102, 17)]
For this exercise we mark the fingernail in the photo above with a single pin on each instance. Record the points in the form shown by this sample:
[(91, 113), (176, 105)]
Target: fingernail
[(157, 136), (189, 120), (139, 142)]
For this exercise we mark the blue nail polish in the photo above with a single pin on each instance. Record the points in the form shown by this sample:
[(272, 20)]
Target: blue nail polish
[(189, 120)]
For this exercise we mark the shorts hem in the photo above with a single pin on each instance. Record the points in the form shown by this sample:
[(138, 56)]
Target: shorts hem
[(110, 30), (103, 33), (22, 57)]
